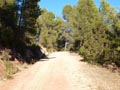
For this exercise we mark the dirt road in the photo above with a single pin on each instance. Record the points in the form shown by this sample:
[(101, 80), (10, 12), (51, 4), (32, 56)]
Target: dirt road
[(63, 71)]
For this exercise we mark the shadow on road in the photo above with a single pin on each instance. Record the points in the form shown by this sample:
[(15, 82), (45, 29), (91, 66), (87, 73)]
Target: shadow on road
[(47, 58), (51, 57), (43, 60)]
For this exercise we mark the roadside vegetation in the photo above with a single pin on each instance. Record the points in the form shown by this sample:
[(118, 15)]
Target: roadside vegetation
[(10, 68), (95, 31), (87, 30)]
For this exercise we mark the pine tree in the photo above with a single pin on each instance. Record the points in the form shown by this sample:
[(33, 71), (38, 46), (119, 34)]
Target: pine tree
[(69, 15), (28, 12), (108, 14), (90, 33), (50, 28), (7, 22), (31, 12), (112, 21)]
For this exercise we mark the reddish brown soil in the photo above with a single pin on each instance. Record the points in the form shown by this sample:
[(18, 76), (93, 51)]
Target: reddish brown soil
[(63, 71), (2, 69)]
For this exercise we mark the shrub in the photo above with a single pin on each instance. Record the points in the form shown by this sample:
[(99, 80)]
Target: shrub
[(10, 68)]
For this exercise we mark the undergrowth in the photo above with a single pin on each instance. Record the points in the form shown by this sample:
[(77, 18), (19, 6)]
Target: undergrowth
[(10, 69)]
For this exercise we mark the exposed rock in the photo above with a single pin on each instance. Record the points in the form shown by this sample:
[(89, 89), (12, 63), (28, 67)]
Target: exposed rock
[(44, 50)]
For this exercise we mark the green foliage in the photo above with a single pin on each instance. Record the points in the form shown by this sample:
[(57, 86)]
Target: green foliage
[(30, 12), (8, 2), (108, 14), (7, 23), (69, 14), (50, 28), (112, 21), (13, 35), (66, 12), (90, 30), (2, 2)]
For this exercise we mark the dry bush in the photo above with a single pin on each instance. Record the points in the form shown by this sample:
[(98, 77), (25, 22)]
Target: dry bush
[(10, 68)]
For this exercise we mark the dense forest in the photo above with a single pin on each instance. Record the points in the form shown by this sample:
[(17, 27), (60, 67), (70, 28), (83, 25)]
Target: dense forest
[(92, 32)]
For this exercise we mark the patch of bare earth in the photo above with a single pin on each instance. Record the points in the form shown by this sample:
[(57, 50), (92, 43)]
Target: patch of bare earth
[(2, 70), (63, 71)]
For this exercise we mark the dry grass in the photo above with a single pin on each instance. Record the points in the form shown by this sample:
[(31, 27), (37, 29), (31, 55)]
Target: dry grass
[(10, 69)]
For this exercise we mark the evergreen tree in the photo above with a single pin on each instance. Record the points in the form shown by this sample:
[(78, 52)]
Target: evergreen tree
[(90, 33), (108, 14), (7, 22), (69, 14), (112, 21), (30, 13), (50, 28)]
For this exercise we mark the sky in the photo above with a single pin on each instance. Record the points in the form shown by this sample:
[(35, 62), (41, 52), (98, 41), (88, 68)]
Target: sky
[(56, 6)]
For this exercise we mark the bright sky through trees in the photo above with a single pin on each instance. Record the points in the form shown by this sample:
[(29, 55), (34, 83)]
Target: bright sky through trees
[(56, 6)]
